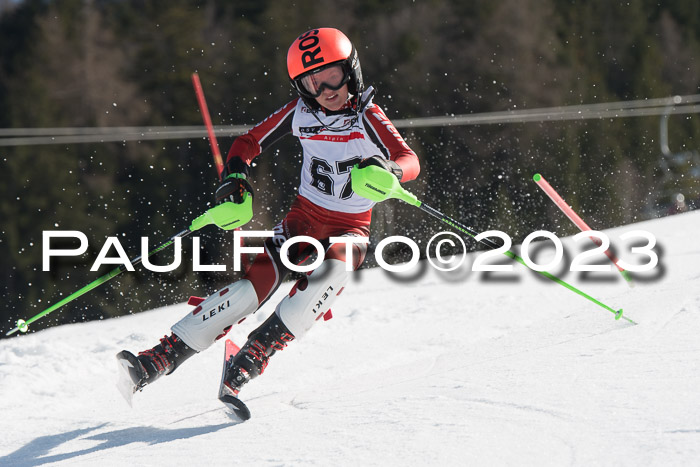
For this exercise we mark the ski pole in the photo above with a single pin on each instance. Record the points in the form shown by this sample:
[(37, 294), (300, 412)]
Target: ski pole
[(576, 219), (464, 229), (228, 216), (23, 325), (377, 184)]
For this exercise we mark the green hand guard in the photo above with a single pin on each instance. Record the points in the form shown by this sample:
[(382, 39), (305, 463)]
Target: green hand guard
[(377, 184), (227, 216)]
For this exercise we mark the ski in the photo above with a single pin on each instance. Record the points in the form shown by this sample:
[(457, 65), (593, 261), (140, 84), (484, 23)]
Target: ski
[(130, 373), (236, 407)]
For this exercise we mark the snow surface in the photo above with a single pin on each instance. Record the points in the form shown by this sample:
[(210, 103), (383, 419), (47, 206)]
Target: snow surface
[(440, 369)]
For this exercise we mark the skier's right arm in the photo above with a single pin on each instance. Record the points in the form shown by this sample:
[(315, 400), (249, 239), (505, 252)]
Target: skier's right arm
[(246, 147), (234, 185)]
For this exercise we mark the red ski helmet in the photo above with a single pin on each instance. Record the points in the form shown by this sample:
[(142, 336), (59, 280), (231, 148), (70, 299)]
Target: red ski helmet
[(318, 49)]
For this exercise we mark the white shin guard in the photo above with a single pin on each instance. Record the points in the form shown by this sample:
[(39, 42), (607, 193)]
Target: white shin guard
[(200, 328), (305, 305)]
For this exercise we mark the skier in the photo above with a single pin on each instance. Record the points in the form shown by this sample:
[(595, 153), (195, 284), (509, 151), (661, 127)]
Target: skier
[(338, 127)]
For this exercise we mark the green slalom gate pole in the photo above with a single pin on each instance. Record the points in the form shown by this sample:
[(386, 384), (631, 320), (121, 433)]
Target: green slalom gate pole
[(227, 216), (378, 184)]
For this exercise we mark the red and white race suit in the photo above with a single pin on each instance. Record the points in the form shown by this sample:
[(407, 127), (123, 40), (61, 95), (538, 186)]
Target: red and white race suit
[(325, 207), (329, 155)]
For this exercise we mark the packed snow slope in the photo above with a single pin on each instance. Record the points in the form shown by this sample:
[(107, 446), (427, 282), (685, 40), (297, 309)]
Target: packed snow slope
[(457, 368)]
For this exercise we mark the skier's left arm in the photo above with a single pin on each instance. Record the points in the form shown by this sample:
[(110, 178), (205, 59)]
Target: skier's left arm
[(397, 157)]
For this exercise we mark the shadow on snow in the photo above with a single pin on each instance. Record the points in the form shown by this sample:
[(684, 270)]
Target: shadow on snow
[(35, 452)]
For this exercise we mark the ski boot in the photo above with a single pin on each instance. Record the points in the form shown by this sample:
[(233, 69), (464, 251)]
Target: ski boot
[(253, 358), (151, 364)]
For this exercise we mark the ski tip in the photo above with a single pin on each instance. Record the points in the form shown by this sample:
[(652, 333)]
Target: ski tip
[(236, 407), (125, 384), (231, 348)]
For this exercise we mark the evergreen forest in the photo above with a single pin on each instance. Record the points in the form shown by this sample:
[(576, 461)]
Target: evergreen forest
[(101, 64)]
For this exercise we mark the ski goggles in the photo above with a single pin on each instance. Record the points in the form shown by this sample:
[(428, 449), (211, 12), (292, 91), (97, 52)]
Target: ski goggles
[(332, 77)]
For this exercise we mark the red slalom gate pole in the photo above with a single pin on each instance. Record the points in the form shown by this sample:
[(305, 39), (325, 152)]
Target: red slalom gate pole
[(212, 139), (576, 219), (207, 122)]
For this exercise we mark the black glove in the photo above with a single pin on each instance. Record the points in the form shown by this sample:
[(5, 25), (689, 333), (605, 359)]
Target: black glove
[(235, 184), (379, 161)]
